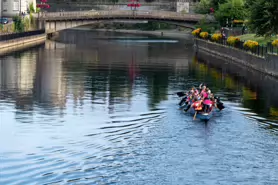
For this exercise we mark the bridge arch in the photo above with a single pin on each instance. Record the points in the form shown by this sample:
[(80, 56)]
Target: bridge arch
[(57, 21)]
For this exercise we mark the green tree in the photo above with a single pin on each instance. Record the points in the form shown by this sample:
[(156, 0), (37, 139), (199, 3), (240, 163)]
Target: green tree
[(203, 7), (216, 3), (233, 9), (18, 24), (114, 1), (264, 17)]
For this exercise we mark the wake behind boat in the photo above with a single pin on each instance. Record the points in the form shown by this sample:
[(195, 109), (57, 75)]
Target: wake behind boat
[(201, 105)]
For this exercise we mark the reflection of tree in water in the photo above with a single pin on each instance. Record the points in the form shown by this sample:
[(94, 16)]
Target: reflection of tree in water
[(112, 84), (157, 87), (119, 87)]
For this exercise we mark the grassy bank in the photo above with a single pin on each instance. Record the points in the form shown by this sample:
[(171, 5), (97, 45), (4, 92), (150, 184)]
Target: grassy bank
[(260, 40)]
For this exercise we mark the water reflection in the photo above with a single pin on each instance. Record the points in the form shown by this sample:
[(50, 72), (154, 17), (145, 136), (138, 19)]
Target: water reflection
[(83, 110), (109, 71), (256, 91)]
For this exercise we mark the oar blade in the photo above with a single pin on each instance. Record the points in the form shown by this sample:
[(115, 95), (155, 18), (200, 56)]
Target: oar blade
[(180, 94)]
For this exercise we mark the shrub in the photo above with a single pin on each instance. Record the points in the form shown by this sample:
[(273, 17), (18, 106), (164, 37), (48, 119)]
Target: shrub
[(204, 35), (216, 37), (196, 32), (31, 8), (232, 41), (249, 44), (275, 43), (18, 24)]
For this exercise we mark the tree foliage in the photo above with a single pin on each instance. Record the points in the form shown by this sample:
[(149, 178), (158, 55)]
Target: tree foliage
[(18, 24), (264, 17), (114, 1), (203, 7), (233, 9), (216, 3), (31, 8)]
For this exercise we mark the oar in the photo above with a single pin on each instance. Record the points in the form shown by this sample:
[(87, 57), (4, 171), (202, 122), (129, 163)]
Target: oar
[(187, 108), (195, 115), (180, 94)]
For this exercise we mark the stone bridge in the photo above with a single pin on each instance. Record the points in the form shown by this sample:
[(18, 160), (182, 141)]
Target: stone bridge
[(57, 21)]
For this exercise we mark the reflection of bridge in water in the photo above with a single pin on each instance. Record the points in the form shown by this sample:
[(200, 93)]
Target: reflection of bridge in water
[(57, 21), (95, 47)]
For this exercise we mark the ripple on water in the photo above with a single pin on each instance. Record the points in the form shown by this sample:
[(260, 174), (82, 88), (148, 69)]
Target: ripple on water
[(106, 152)]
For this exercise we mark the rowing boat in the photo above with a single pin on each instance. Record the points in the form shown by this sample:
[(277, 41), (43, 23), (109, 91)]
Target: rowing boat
[(204, 116)]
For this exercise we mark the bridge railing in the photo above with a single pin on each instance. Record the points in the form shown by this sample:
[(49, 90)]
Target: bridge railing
[(92, 14)]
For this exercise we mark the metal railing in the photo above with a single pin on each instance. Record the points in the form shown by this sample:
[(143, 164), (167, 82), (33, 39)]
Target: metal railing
[(12, 36), (119, 13), (261, 50)]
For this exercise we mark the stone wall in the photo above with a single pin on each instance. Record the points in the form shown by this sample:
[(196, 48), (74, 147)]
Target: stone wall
[(268, 65), (23, 41)]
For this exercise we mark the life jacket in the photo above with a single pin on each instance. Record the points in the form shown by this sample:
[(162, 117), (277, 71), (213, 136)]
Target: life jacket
[(197, 105)]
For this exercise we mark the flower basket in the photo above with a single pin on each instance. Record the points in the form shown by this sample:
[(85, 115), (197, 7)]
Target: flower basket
[(216, 37), (196, 32), (233, 41), (250, 45), (204, 35), (275, 43)]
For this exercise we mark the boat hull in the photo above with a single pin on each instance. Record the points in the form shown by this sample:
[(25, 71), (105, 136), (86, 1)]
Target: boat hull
[(202, 116)]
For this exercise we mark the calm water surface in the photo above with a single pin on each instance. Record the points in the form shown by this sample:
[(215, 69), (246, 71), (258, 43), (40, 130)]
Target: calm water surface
[(100, 108)]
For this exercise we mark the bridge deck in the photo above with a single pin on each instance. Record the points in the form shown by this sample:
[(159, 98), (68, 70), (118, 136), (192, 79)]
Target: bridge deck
[(57, 21), (157, 15)]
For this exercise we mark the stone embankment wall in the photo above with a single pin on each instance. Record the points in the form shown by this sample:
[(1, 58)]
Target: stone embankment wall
[(20, 43), (267, 65)]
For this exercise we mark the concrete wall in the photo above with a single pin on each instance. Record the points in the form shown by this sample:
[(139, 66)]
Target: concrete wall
[(268, 65), (55, 26), (6, 46)]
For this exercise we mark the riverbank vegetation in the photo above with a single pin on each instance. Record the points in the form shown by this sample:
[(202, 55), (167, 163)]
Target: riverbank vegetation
[(260, 39), (260, 16), (21, 23)]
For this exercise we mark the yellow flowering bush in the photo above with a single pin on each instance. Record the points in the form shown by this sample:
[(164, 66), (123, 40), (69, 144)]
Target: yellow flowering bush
[(233, 40), (216, 37), (275, 43), (196, 32), (204, 35), (249, 44)]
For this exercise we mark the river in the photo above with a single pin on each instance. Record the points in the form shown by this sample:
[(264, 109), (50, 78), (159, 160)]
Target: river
[(100, 108)]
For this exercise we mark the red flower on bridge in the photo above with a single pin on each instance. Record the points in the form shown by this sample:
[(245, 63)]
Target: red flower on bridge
[(135, 4), (43, 5)]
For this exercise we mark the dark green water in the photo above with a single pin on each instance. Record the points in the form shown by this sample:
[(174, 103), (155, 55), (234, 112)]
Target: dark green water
[(100, 108)]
